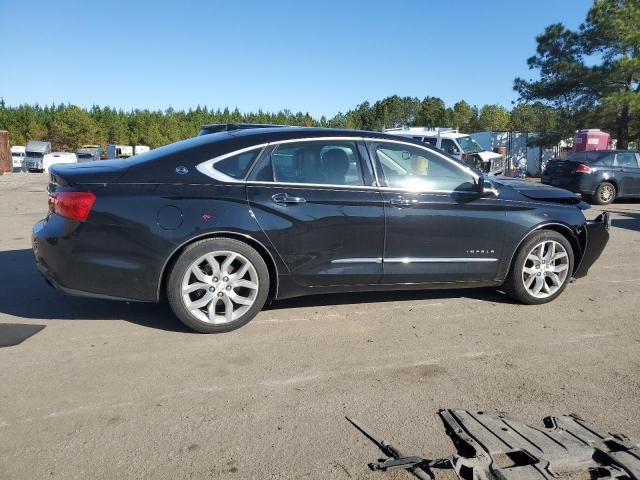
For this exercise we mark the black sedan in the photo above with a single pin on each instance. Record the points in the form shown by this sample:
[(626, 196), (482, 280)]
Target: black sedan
[(223, 223), (600, 176)]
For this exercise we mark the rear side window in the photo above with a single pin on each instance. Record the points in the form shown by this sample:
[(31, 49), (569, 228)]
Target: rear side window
[(318, 162), (431, 141), (627, 160), (237, 166)]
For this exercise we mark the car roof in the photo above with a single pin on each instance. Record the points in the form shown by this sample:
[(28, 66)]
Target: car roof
[(292, 133)]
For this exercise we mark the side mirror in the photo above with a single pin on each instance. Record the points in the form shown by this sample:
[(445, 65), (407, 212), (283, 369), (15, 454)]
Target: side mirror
[(486, 188)]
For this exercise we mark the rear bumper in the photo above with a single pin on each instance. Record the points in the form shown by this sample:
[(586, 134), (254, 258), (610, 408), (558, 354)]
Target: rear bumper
[(577, 183), (70, 265), (597, 237)]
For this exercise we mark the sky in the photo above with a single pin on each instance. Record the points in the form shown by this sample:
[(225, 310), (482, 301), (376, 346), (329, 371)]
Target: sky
[(316, 57)]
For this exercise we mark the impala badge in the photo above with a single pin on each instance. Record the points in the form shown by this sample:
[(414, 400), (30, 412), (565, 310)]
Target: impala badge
[(182, 170)]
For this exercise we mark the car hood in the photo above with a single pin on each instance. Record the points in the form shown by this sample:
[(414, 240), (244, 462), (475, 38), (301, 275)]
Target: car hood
[(540, 192), (486, 155)]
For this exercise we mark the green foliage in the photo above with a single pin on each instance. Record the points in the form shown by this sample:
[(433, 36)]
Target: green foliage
[(591, 76), (69, 126)]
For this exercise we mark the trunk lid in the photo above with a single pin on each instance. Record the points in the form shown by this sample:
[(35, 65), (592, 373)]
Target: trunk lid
[(89, 173)]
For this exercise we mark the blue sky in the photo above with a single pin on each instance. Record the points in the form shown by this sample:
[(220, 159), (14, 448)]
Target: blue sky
[(320, 57)]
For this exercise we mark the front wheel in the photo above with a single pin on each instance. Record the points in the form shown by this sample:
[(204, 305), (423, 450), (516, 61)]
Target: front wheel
[(541, 268), (218, 285)]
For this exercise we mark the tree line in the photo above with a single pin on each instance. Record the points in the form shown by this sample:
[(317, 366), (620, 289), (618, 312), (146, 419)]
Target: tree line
[(69, 126)]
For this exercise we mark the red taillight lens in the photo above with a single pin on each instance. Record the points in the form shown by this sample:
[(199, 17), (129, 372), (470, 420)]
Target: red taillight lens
[(583, 169), (73, 205)]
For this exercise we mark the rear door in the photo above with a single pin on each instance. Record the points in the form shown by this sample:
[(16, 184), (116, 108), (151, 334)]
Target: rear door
[(316, 201), (629, 172)]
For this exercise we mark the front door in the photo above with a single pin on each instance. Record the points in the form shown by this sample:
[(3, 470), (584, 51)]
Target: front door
[(317, 203), (629, 171), (438, 228)]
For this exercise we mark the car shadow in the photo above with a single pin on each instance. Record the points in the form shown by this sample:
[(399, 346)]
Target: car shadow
[(358, 298), (630, 218), (25, 294)]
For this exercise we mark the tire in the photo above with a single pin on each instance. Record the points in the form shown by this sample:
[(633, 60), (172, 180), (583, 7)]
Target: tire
[(605, 194), (201, 295), (527, 274)]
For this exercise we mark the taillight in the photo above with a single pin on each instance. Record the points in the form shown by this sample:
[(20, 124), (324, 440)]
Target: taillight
[(72, 205), (583, 169)]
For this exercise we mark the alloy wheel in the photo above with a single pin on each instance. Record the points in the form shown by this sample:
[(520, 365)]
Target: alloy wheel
[(606, 193), (219, 287), (545, 269)]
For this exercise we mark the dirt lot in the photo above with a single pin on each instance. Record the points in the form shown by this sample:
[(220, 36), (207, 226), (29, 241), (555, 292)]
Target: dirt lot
[(117, 390)]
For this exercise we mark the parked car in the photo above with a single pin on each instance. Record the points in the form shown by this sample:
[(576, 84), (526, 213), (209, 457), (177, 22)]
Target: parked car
[(225, 222), (456, 144), (34, 155), (138, 149), (17, 157), (89, 153), (601, 176), (56, 158)]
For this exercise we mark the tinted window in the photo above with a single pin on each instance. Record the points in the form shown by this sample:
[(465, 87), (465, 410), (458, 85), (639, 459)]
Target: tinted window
[(321, 162), (627, 160), (416, 169), (449, 146), (238, 165), (604, 160), (431, 141)]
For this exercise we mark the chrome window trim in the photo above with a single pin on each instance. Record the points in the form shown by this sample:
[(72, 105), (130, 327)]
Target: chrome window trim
[(207, 167), (456, 164)]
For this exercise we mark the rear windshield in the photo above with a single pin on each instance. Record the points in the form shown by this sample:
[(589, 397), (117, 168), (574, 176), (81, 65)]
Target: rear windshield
[(35, 154), (84, 156)]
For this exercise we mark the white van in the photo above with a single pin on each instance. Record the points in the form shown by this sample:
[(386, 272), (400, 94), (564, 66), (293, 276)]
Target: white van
[(119, 151), (138, 149), (17, 157), (459, 145), (56, 158)]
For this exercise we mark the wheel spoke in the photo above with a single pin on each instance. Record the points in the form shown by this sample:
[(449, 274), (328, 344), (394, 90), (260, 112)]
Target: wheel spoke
[(561, 267), (245, 284), (199, 274), (559, 255), (239, 299), (227, 263), (538, 286), (241, 272), (194, 287), (211, 310), (201, 302), (529, 270), (215, 266), (555, 279), (228, 308), (529, 281)]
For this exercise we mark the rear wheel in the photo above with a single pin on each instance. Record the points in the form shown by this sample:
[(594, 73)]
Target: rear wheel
[(218, 285), (541, 269), (605, 194)]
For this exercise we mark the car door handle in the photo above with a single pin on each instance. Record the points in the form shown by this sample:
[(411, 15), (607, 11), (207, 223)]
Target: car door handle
[(401, 201), (286, 199)]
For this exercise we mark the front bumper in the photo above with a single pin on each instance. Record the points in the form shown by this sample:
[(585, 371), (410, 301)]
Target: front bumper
[(597, 237)]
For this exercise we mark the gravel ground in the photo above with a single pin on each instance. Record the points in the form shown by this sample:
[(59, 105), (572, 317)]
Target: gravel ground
[(117, 390)]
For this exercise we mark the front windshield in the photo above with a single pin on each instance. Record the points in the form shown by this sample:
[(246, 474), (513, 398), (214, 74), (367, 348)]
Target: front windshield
[(469, 145)]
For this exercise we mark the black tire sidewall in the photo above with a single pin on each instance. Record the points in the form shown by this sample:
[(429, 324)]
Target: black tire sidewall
[(514, 285), (193, 252)]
